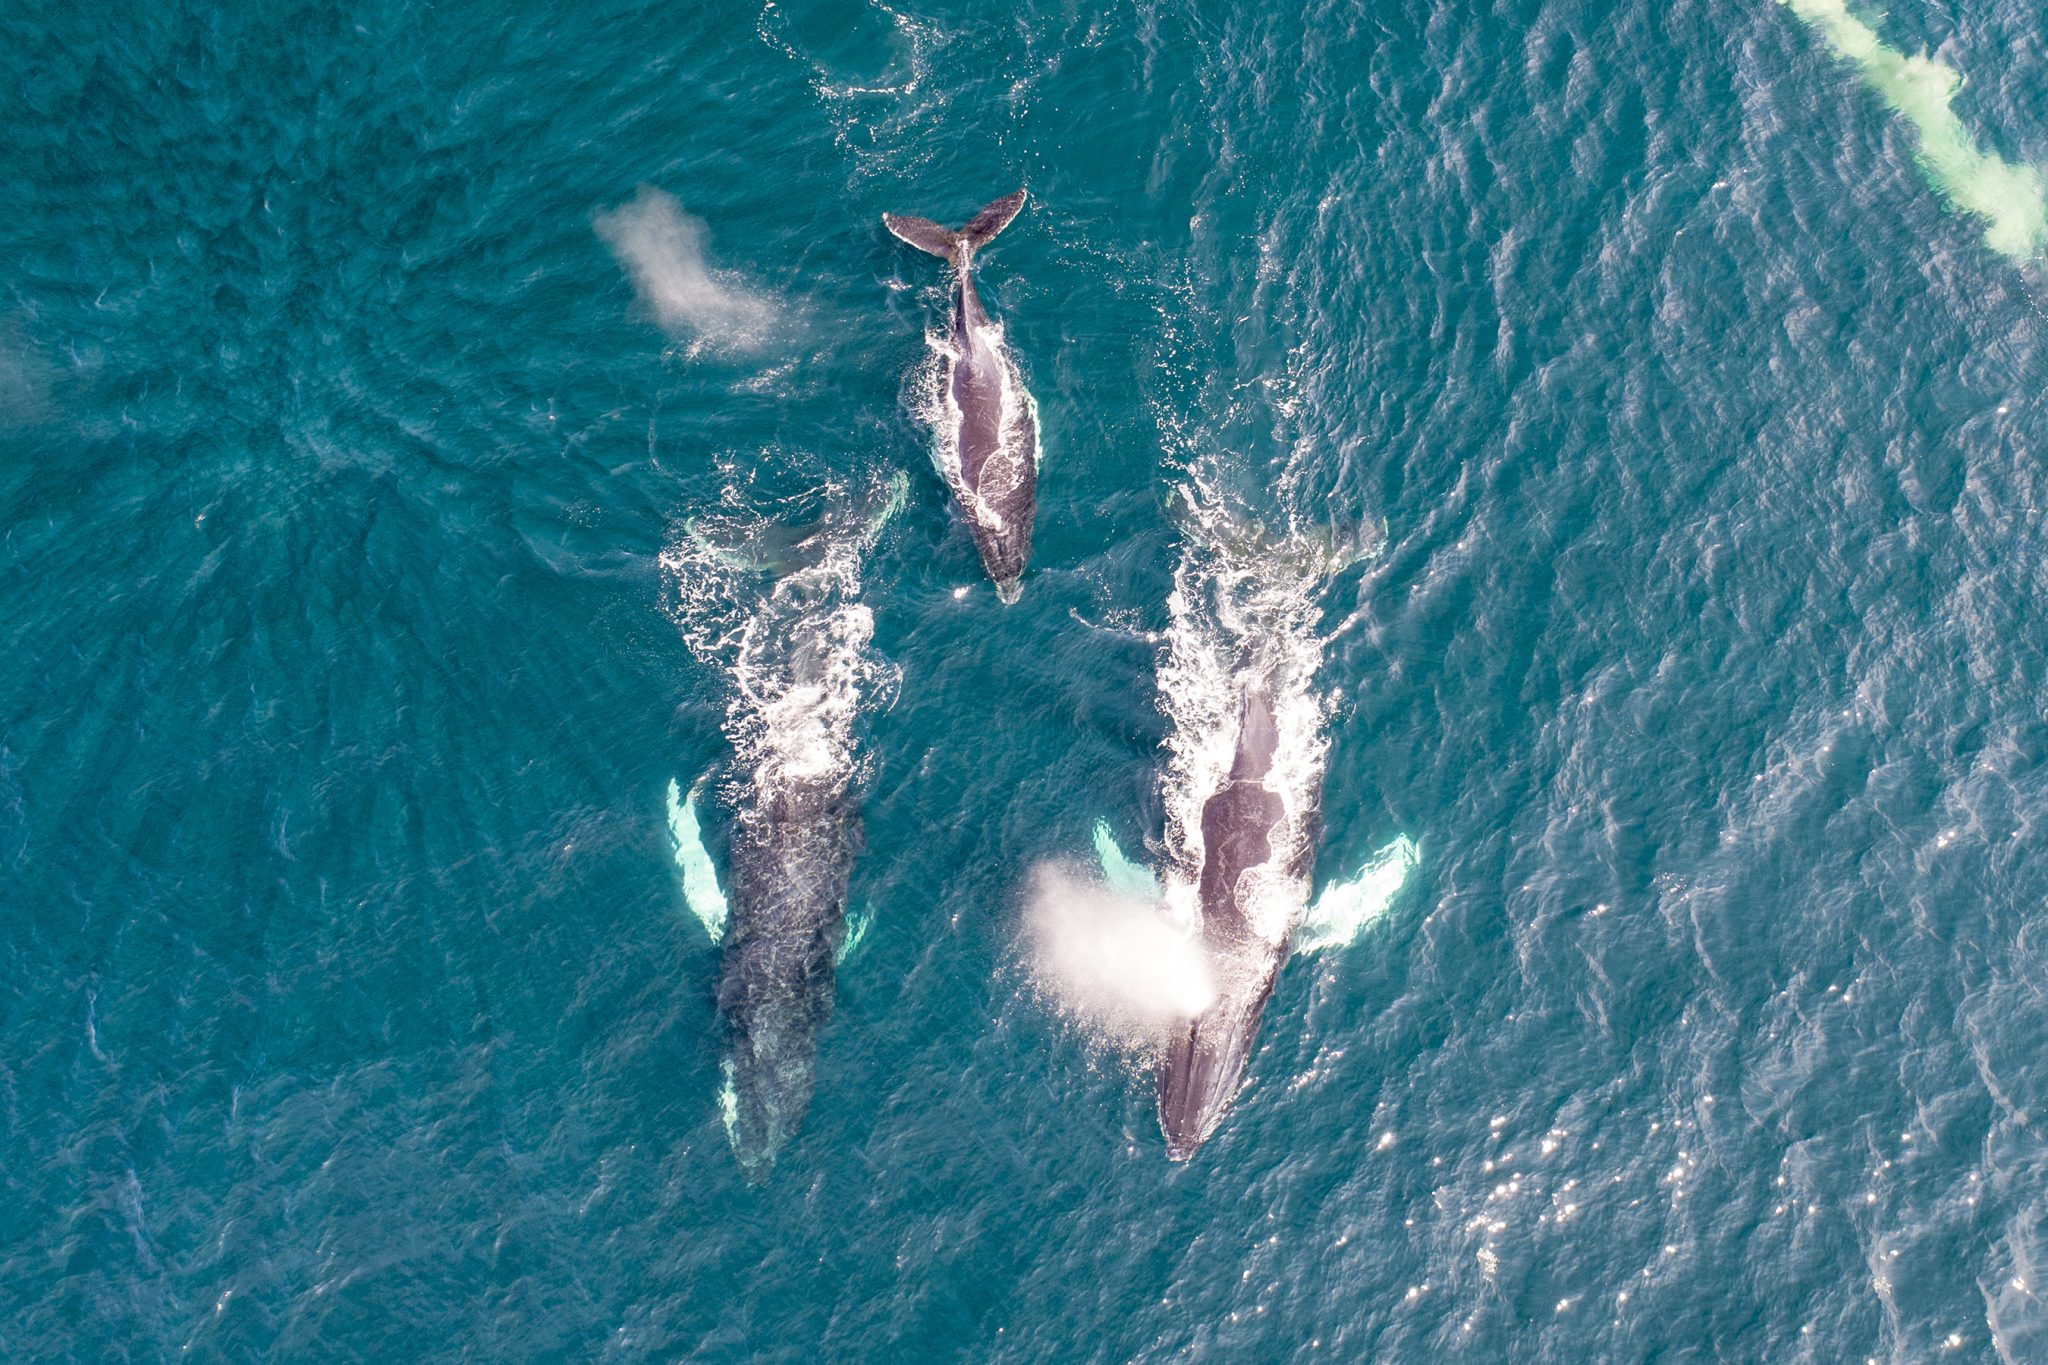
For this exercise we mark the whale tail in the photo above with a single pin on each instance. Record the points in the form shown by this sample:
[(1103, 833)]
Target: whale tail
[(926, 235)]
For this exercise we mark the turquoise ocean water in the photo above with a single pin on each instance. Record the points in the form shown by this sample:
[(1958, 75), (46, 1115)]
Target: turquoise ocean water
[(1682, 359)]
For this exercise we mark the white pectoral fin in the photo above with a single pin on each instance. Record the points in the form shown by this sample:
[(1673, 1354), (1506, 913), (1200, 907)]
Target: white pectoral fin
[(858, 922), (1125, 877), (701, 891), (1347, 908)]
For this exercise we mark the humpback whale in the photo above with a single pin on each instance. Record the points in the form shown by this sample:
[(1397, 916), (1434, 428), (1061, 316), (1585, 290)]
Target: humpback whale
[(792, 858), (993, 470), (1246, 854), (803, 670), (1242, 790)]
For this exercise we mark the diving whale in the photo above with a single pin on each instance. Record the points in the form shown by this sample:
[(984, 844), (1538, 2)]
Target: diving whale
[(994, 473), (1247, 854)]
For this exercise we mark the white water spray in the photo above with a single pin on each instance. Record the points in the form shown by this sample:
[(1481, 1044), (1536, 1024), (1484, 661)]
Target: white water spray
[(662, 249), (1110, 962)]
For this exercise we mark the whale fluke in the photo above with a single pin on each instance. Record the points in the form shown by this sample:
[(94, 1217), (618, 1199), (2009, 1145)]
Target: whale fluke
[(991, 220), (926, 235)]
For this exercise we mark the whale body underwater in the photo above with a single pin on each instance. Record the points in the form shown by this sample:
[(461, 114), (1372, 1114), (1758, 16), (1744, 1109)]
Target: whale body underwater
[(792, 858), (992, 465), (804, 674)]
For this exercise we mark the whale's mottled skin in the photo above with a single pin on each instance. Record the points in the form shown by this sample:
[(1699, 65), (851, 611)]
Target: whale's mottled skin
[(802, 667), (791, 862), (997, 480), (1243, 831)]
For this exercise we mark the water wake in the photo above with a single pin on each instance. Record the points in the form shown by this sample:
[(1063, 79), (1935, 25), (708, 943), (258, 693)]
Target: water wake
[(662, 249), (778, 612), (2011, 199)]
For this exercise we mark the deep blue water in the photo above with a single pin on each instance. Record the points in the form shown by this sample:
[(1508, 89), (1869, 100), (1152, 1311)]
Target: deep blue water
[(349, 1008)]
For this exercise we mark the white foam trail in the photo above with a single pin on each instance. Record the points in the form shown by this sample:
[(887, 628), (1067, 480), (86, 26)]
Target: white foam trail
[(1111, 963), (2011, 199), (795, 648), (662, 249), (700, 876), (1346, 909)]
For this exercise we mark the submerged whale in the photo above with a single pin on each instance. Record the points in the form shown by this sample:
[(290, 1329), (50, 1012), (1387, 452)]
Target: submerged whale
[(792, 859), (1247, 855), (803, 675), (993, 466)]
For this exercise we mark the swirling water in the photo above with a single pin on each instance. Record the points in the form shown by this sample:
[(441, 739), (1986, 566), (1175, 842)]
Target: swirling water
[(349, 1004)]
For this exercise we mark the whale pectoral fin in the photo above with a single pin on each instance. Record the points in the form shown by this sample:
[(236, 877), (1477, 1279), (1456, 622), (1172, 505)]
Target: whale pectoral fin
[(719, 552), (701, 892), (893, 495), (1356, 542), (728, 1103), (1345, 909), (1124, 876), (773, 549), (858, 922)]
